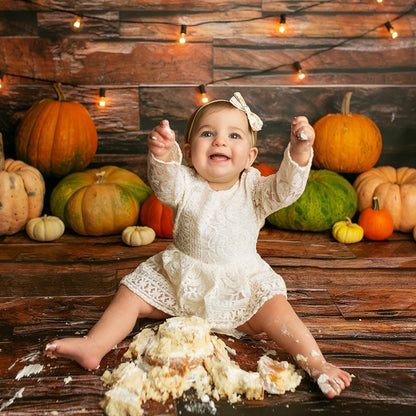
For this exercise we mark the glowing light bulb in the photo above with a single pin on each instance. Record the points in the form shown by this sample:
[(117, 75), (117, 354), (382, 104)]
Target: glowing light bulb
[(1, 79), (298, 68), (77, 23), (204, 98), (182, 38), (103, 101), (379, 1), (282, 24), (391, 30)]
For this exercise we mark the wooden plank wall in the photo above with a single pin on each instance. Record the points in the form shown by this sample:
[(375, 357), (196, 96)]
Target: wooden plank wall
[(130, 48)]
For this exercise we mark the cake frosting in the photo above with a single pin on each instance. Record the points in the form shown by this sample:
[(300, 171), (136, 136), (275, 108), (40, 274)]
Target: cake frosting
[(183, 354)]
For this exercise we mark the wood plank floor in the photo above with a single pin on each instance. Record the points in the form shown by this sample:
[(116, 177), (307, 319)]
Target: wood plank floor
[(359, 302)]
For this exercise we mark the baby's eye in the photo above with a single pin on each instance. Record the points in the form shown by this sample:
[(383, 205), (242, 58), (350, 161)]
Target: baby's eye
[(207, 134), (235, 136)]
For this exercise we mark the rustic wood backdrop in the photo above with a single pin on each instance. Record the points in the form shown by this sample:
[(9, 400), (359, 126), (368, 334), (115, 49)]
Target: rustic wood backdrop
[(131, 49)]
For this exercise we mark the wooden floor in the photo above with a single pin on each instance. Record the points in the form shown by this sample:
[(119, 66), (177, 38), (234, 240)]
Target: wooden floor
[(358, 301)]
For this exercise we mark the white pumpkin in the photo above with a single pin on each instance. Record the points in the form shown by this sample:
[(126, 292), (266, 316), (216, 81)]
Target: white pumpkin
[(138, 236), (46, 228)]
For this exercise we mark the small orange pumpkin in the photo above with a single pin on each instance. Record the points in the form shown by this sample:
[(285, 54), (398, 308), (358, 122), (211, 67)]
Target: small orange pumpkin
[(158, 216), (56, 136), (265, 169), (346, 142), (376, 222)]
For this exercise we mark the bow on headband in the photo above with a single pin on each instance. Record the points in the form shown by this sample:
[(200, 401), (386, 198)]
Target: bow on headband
[(254, 120)]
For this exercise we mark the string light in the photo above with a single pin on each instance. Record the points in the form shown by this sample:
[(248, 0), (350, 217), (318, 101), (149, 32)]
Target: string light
[(1, 79), (379, 1), (298, 68), (261, 72), (77, 23), (182, 38), (391, 30), (204, 98), (282, 24), (103, 100)]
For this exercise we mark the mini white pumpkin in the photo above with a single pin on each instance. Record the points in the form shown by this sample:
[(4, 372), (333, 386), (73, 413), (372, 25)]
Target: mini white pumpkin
[(138, 236), (46, 228)]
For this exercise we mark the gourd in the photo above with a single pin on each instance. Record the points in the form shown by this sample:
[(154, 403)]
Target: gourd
[(56, 136), (346, 142), (22, 193), (376, 222), (395, 190), (328, 198), (157, 216), (99, 202), (347, 232), (137, 236), (46, 228)]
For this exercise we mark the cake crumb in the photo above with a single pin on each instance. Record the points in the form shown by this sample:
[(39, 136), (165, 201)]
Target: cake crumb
[(182, 355)]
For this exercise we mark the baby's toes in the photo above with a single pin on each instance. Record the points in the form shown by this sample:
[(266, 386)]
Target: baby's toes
[(50, 350), (346, 378), (330, 386)]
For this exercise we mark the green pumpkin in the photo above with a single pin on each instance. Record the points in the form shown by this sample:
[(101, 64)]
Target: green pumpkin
[(99, 201), (328, 198)]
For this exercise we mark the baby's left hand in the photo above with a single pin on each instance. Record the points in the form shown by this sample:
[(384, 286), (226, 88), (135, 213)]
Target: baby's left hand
[(302, 137)]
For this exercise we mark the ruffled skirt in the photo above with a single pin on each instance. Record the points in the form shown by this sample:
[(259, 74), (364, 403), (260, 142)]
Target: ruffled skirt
[(226, 296)]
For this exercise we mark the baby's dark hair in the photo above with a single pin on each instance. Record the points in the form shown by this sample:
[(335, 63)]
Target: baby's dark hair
[(200, 111)]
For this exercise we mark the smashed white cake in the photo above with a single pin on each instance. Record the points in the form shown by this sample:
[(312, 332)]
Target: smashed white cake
[(183, 354)]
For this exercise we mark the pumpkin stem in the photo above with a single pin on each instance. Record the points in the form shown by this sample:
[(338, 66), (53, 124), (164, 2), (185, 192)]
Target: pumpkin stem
[(349, 222), (100, 176), (1, 153), (345, 106), (58, 90), (376, 204)]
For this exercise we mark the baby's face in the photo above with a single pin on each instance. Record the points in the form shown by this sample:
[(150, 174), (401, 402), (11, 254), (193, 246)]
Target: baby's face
[(221, 147)]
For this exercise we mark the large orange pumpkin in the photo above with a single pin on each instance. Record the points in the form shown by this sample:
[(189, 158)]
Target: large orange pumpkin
[(57, 136), (22, 192), (99, 201), (158, 216), (346, 143), (396, 191)]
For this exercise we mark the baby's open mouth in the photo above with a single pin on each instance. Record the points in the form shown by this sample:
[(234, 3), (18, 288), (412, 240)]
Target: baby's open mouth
[(218, 156)]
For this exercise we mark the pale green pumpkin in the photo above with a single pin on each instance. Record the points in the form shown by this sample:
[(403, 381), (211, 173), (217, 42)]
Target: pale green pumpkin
[(328, 198)]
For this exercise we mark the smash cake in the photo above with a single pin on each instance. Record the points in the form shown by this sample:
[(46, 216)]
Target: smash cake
[(182, 354)]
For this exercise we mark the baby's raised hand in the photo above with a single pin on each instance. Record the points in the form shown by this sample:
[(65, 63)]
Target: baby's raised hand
[(160, 140), (302, 136)]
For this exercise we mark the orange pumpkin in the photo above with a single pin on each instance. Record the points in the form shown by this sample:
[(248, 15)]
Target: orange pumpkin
[(158, 216), (265, 169), (376, 222), (346, 143), (100, 201), (22, 192), (57, 136), (396, 191)]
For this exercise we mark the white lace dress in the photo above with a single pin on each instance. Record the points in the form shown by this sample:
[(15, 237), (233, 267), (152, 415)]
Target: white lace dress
[(212, 268)]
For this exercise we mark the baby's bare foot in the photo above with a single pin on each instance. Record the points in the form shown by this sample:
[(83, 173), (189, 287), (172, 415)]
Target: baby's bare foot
[(331, 379), (81, 350)]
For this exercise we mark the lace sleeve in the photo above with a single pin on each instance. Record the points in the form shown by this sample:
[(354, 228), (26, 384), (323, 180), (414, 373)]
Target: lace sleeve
[(282, 189), (167, 178)]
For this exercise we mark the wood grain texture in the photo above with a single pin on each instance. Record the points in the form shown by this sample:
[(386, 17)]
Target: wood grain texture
[(130, 48), (357, 300)]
